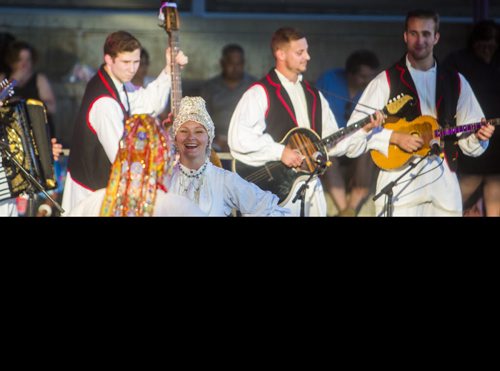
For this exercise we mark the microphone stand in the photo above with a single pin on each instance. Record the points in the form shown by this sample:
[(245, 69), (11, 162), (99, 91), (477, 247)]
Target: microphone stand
[(387, 190), (33, 182), (301, 192)]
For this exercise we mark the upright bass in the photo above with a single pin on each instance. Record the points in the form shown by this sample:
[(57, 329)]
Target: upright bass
[(169, 20)]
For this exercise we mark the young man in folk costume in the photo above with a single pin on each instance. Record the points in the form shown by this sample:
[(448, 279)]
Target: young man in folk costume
[(279, 102), (109, 99), (431, 188)]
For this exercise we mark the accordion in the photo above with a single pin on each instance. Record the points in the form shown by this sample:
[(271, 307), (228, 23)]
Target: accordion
[(25, 132)]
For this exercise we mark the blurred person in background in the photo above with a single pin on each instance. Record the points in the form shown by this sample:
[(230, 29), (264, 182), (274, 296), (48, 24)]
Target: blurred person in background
[(223, 92), (480, 64), (349, 180)]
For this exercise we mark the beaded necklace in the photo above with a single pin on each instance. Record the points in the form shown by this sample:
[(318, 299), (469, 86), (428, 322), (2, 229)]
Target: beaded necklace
[(191, 181)]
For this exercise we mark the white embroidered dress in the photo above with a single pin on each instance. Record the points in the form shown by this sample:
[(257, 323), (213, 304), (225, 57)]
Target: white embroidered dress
[(217, 191)]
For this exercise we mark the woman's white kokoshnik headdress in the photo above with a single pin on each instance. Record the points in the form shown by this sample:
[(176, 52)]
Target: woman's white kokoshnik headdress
[(193, 109)]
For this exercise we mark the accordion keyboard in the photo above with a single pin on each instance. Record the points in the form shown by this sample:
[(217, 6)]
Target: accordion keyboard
[(4, 185)]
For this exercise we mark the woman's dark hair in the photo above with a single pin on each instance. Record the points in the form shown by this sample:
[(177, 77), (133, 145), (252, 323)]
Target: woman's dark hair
[(14, 50)]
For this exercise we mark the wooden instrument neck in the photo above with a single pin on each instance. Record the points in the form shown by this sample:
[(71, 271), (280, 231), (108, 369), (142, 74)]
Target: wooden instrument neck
[(175, 71)]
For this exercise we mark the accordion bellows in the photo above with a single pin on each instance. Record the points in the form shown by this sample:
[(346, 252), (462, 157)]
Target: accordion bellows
[(24, 128)]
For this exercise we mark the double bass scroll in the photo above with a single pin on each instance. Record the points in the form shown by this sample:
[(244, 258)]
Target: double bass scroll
[(169, 20)]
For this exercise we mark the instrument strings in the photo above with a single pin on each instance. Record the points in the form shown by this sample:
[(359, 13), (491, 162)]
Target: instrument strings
[(326, 92), (263, 173)]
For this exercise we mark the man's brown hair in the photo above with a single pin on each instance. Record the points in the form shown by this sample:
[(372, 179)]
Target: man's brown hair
[(423, 14), (283, 36), (119, 42)]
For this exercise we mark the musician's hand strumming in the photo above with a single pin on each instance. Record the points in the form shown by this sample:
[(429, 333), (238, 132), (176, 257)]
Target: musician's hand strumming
[(407, 142), (292, 157)]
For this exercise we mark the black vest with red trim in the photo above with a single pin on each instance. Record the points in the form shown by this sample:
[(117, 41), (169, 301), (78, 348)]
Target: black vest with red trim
[(280, 115), (447, 93), (88, 163)]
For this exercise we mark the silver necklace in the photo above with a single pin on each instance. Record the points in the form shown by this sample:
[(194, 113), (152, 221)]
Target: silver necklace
[(191, 181)]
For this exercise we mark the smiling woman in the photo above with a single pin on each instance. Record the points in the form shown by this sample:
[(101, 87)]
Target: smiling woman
[(135, 186), (215, 190)]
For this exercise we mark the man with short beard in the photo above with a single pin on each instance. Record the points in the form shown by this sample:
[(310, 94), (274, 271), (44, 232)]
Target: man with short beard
[(282, 101)]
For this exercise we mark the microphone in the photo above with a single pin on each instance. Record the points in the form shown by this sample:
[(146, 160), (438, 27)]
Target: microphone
[(44, 210), (320, 159), (435, 147)]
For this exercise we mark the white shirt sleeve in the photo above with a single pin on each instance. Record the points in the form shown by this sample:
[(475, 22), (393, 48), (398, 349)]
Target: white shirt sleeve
[(376, 96), (352, 145), (246, 138), (328, 123), (468, 112), (106, 118), (249, 199), (152, 99)]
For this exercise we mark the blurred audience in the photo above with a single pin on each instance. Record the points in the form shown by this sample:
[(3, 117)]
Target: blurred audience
[(349, 180), (480, 64), (223, 92), (5, 39), (21, 59)]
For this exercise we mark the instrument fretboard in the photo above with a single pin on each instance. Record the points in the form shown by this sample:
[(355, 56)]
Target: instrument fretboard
[(464, 128), (176, 93)]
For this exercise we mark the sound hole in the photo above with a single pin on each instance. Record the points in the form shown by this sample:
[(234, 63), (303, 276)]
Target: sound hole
[(424, 130), (303, 143)]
